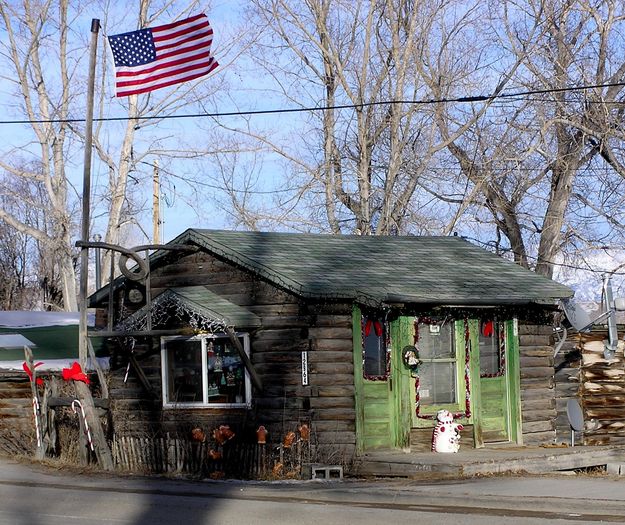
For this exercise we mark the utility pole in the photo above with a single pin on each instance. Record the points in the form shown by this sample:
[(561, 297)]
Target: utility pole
[(156, 205), (86, 196)]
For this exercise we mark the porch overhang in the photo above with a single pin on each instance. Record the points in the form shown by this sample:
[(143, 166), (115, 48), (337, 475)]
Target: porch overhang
[(197, 305)]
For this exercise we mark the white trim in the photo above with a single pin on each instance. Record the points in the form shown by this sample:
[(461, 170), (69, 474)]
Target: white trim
[(204, 403)]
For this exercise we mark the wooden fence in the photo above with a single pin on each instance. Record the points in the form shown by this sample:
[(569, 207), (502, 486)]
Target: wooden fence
[(238, 460)]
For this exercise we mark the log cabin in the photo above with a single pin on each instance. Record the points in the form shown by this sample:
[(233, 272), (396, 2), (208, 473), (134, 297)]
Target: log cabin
[(361, 338)]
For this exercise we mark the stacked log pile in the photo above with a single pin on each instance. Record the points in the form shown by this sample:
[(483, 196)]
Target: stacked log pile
[(602, 391)]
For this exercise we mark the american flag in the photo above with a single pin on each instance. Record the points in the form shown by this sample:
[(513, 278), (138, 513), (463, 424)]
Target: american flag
[(156, 57)]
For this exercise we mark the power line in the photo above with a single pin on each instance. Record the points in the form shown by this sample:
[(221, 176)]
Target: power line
[(561, 265), (461, 100), (218, 187)]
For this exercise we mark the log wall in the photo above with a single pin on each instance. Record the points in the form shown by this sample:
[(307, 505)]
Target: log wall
[(538, 397), (17, 434), (567, 378), (289, 326)]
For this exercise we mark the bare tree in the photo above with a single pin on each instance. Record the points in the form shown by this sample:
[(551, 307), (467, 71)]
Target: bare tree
[(360, 164), (526, 161), (27, 46), (44, 59), (28, 278)]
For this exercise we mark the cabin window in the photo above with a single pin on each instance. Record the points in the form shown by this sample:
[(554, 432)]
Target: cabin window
[(492, 349), (438, 378), (374, 348), (204, 371)]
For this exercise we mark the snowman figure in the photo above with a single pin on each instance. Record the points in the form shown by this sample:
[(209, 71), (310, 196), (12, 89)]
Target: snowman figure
[(446, 434)]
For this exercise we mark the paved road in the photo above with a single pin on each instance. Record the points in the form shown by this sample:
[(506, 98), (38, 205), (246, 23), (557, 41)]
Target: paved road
[(33, 495)]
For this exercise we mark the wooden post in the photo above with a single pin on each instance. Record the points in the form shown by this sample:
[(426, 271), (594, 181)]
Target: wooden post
[(96, 365), (245, 358), (102, 451), (40, 451)]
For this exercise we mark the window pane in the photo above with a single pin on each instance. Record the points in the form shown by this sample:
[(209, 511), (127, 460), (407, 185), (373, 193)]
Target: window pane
[(436, 341), (490, 357), (184, 368), (437, 383), (374, 348), (226, 372)]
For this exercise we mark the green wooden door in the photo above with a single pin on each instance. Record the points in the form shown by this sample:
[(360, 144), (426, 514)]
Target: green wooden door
[(383, 408), (497, 414), (494, 414)]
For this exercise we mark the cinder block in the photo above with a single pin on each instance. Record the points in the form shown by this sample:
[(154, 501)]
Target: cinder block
[(327, 472), (617, 469)]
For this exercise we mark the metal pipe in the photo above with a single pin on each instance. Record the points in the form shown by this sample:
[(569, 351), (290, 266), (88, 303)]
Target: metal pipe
[(611, 344), (98, 263)]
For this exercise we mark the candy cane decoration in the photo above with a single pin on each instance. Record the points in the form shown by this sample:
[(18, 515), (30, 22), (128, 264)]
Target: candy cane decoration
[(87, 431), (132, 349), (36, 413)]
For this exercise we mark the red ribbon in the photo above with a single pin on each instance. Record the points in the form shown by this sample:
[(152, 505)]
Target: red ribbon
[(75, 373), (488, 329), (29, 372)]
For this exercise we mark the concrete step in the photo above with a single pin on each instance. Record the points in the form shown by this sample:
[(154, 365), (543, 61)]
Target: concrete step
[(485, 461)]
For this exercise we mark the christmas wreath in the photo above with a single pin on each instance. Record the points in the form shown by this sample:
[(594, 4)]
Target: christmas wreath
[(411, 358)]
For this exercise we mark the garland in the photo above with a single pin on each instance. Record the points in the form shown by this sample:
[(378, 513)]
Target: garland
[(529, 313)]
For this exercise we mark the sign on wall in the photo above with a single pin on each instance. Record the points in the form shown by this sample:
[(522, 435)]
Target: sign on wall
[(304, 368)]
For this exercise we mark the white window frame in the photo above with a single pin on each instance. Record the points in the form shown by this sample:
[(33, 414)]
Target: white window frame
[(247, 403), (458, 363)]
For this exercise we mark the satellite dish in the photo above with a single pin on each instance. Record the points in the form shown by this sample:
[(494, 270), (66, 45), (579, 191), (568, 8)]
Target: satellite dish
[(576, 418), (575, 415), (576, 315)]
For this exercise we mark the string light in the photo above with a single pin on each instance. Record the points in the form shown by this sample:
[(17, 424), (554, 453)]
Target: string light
[(167, 306)]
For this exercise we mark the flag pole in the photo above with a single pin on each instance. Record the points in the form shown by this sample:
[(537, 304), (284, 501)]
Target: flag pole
[(99, 444), (86, 195)]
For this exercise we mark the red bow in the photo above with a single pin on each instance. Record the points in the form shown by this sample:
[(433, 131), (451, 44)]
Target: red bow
[(75, 373), (488, 329), (377, 327), (29, 372)]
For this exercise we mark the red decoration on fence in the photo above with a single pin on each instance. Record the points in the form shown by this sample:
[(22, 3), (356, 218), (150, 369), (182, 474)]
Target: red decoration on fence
[(29, 372), (289, 439), (198, 435), (261, 435), (304, 432), (75, 373), (222, 434), (215, 455)]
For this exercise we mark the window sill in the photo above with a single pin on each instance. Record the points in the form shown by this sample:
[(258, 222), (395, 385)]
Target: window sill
[(195, 406)]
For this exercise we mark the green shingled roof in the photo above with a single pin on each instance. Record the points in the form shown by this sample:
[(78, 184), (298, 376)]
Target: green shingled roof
[(374, 269)]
